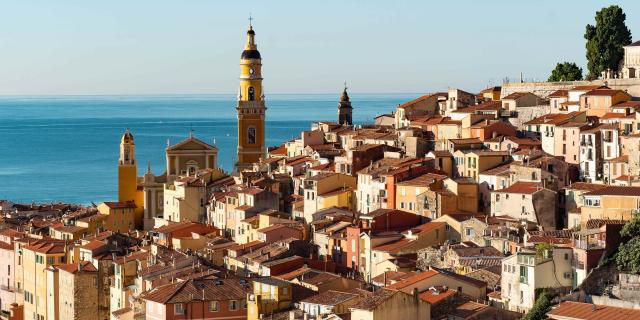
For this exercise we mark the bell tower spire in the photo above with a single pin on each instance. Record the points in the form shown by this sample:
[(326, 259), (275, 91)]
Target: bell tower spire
[(345, 110), (251, 106)]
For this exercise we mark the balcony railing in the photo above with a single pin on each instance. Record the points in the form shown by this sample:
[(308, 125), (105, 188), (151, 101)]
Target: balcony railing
[(10, 288), (588, 245)]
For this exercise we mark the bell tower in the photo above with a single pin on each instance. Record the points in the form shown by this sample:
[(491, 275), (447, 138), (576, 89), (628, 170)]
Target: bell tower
[(127, 168), (128, 176), (251, 108), (345, 110)]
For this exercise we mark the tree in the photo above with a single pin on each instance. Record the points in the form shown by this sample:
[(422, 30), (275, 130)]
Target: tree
[(606, 39), (540, 308), (567, 71), (628, 256)]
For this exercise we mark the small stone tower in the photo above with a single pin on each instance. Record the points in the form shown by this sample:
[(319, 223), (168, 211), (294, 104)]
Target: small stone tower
[(345, 110)]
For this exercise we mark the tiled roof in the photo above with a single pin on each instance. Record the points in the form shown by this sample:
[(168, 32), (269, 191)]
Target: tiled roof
[(559, 94), (413, 279), (588, 311), (585, 186), (465, 252), (120, 205), (521, 187), (422, 98), (373, 300), (84, 266), (330, 298), (515, 95), (436, 294), (469, 309), (616, 191), (597, 223), (554, 118), (603, 92), (202, 289), (466, 141)]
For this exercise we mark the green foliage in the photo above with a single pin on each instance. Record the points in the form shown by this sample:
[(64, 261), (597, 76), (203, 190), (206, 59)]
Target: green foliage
[(566, 71), (606, 39), (628, 256), (542, 247), (631, 228), (540, 308)]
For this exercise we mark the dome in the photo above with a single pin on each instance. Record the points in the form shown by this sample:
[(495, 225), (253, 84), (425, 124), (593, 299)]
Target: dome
[(127, 136), (345, 96), (250, 54)]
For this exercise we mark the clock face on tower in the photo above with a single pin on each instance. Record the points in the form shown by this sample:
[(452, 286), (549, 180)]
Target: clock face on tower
[(251, 71)]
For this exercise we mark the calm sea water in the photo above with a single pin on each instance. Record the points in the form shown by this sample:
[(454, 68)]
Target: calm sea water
[(66, 148)]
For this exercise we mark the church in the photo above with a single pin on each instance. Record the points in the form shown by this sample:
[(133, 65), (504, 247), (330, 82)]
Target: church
[(158, 197), (185, 158)]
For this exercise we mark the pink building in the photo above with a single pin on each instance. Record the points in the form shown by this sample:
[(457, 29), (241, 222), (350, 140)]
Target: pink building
[(567, 141), (207, 297), (8, 291)]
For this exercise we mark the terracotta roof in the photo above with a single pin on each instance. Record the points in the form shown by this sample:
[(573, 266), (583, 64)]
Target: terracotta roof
[(516, 95), (373, 300), (603, 92), (585, 186), (587, 311), (554, 118), (559, 94), (84, 266), (616, 191), (469, 309), (120, 205), (330, 298), (422, 98), (436, 294), (521, 187), (413, 280), (93, 244), (466, 252), (200, 289), (426, 227), (47, 246), (597, 223)]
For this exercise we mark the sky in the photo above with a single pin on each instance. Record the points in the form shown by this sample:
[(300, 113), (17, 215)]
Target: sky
[(79, 47)]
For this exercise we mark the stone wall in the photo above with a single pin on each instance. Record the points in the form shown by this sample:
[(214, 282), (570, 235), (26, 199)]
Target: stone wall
[(543, 89)]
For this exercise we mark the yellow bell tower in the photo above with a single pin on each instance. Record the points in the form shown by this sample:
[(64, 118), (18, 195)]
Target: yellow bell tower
[(251, 107), (128, 176)]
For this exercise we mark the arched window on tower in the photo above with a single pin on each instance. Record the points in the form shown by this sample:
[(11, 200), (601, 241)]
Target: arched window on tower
[(251, 94), (192, 167), (251, 135)]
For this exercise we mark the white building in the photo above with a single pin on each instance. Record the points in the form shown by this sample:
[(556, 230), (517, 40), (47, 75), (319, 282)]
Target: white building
[(524, 272)]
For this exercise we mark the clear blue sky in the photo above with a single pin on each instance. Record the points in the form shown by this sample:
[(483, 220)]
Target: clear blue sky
[(165, 47)]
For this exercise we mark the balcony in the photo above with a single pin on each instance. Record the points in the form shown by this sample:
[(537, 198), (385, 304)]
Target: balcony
[(588, 245), (10, 289)]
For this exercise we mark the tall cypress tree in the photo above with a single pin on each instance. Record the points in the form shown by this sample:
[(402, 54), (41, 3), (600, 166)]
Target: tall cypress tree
[(606, 39)]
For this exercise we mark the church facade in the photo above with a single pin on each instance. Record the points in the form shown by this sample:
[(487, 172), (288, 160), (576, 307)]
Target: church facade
[(185, 158)]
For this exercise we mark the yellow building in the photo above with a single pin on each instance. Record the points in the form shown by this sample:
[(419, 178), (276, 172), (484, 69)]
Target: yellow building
[(119, 216), (251, 107), (326, 190), (409, 191), (40, 297), (470, 163), (128, 177), (612, 202), (269, 295), (491, 94)]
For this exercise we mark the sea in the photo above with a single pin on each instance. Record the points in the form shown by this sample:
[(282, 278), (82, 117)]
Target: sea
[(65, 148)]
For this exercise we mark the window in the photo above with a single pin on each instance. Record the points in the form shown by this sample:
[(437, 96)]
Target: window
[(524, 274), (233, 305), (251, 135), (214, 306), (566, 256), (252, 93), (285, 291), (178, 309)]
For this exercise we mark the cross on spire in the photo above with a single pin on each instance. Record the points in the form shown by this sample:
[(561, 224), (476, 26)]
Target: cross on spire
[(250, 20), (345, 85)]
